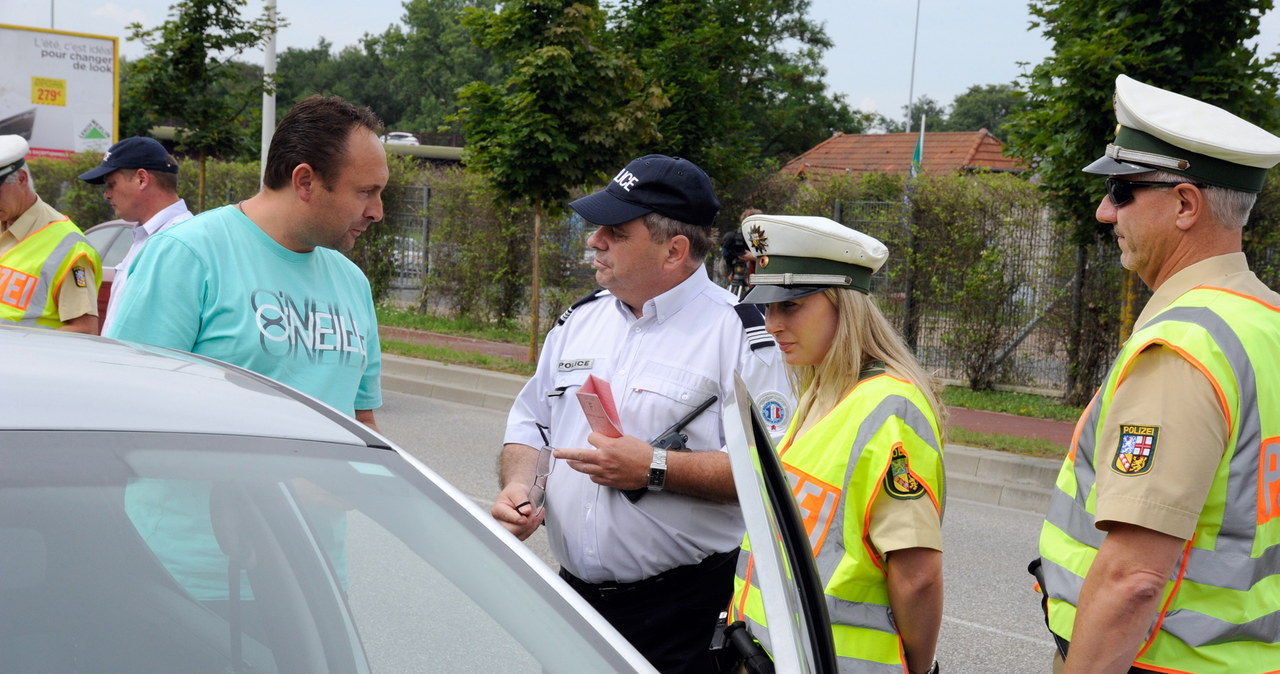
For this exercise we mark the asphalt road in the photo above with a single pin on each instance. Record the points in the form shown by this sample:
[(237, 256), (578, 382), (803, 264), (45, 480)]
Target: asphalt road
[(992, 622)]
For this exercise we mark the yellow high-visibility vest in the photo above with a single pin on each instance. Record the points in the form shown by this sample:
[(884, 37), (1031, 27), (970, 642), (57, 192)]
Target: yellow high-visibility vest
[(1221, 610), (836, 471), (33, 271)]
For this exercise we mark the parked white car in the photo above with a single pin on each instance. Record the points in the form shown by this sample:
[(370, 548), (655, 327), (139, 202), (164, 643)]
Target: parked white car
[(423, 581), (400, 138)]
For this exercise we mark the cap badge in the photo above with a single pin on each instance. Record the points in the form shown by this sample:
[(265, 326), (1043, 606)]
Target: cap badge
[(759, 242)]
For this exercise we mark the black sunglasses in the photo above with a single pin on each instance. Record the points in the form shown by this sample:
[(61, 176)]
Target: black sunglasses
[(1121, 191)]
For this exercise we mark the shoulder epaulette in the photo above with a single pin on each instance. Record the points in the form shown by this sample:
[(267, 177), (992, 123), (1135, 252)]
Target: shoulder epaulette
[(753, 324), (573, 307)]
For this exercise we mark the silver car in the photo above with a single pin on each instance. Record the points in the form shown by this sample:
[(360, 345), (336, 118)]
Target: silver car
[(324, 547)]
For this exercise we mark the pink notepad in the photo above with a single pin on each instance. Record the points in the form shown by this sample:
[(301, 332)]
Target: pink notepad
[(596, 399)]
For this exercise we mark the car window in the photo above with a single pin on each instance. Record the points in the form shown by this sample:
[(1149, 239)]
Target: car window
[(164, 552)]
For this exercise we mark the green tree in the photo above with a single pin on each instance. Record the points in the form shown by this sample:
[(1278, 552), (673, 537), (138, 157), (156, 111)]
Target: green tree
[(983, 107), (571, 109), (359, 73), (923, 107), (433, 57), (190, 78), (745, 80), (1194, 47)]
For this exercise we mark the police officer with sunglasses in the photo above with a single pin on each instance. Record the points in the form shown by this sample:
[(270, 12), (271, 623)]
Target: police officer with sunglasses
[(1160, 547)]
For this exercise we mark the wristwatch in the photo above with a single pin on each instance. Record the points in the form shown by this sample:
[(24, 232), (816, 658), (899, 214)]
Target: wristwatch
[(933, 669), (658, 469)]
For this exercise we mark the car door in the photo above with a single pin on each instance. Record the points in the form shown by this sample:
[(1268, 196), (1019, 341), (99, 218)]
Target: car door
[(795, 607)]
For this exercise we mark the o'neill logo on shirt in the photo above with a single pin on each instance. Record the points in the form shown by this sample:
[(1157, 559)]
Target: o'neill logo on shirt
[(287, 326)]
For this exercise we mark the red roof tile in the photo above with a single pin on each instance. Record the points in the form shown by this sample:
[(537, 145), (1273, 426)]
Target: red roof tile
[(944, 152)]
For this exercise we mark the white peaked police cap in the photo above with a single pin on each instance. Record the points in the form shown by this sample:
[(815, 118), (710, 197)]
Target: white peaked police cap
[(799, 255), (1161, 130)]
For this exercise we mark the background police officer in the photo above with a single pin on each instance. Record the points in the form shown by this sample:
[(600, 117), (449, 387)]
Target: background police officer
[(1159, 547), (48, 271), (659, 569)]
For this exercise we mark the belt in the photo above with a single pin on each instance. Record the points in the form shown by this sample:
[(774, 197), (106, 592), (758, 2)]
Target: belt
[(674, 577)]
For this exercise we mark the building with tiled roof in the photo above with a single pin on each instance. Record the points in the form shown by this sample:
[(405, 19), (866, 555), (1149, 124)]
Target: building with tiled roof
[(945, 152)]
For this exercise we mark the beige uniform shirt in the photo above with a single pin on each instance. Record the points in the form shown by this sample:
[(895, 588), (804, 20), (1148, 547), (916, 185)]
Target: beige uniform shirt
[(897, 524), (1166, 391), (73, 301)]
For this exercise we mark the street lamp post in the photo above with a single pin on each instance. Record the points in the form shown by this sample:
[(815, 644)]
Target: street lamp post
[(269, 96)]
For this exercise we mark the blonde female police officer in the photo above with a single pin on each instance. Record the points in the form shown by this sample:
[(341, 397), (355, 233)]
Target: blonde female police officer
[(863, 452)]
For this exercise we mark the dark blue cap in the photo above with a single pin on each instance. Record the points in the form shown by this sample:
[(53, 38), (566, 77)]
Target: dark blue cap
[(654, 183), (131, 153)]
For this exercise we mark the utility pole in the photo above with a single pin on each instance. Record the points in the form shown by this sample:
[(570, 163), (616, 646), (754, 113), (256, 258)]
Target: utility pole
[(269, 95)]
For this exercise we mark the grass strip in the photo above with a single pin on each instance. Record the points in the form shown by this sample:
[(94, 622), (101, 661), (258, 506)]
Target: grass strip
[(1009, 402), (456, 357), (1006, 443), (507, 331)]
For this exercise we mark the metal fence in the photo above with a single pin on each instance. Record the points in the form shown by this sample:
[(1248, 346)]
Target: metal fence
[(1006, 328), (407, 217)]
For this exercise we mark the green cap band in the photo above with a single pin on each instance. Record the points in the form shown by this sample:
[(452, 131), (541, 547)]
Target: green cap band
[(770, 268), (1200, 167)]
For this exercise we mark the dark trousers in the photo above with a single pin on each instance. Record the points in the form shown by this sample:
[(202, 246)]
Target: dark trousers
[(671, 617)]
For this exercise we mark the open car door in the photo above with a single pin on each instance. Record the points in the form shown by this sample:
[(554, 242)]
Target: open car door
[(794, 605)]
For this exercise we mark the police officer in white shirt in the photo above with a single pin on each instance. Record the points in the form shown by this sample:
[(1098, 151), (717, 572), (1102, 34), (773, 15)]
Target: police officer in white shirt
[(140, 180), (665, 338)]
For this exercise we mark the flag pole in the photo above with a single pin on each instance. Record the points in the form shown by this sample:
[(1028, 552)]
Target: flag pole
[(911, 88), (910, 321)]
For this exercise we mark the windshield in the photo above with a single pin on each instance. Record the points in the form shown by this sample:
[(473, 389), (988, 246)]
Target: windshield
[(166, 552)]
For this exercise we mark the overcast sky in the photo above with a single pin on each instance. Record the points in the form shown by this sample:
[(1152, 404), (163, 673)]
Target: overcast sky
[(961, 42)]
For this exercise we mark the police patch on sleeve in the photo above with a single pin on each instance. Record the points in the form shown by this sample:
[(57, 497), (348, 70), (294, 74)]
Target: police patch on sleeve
[(899, 482), (82, 280), (774, 411), (1137, 450)]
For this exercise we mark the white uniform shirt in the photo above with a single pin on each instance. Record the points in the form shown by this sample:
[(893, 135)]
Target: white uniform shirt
[(168, 216), (685, 347)]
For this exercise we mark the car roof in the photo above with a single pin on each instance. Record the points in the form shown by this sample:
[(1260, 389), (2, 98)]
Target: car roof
[(66, 381), (112, 223)]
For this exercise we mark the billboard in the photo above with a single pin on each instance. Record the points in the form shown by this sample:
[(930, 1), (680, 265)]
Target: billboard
[(59, 90)]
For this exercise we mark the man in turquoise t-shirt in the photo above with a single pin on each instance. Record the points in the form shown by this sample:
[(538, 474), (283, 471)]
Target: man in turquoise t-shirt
[(261, 284)]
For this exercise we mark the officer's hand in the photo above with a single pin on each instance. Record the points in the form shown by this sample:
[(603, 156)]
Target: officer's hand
[(513, 510), (621, 463)]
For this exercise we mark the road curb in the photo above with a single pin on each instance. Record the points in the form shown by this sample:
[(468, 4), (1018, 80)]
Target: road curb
[(983, 475)]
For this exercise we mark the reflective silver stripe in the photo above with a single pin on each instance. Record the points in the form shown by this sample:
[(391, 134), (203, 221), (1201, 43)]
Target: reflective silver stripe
[(860, 614), (1072, 518), (1239, 521), (1068, 511), (1085, 448), (857, 666), (1060, 583), (760, 632), (1232, 570), (40, 296), (845, 665), (1198, 629), (892, 406)]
